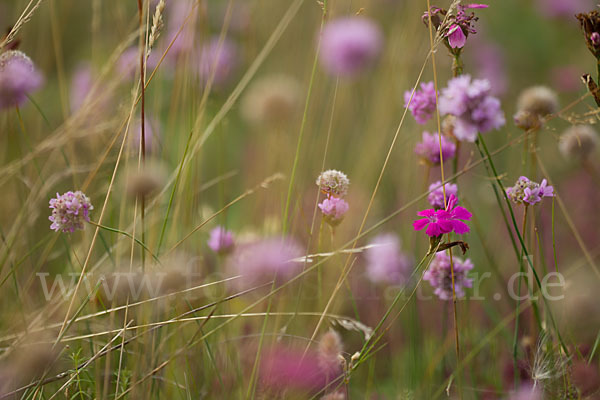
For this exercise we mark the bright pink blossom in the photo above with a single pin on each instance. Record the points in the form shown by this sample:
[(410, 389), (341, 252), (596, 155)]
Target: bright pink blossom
[(439, 222)]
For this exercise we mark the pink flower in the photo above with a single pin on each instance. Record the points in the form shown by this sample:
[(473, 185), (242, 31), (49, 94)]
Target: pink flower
[(429, 148), (69, 211), (456, 37), (290, 370), (386, 263), (436, 193), (350, 45), (221, 240), (528, 192), (334, 207), (18, 78), (422, 105), (265, 260), (439, 276), (439, 222)]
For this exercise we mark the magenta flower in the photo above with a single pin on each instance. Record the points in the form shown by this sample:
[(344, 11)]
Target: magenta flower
[(456, 37), (422, 106), (439, 222), (439, 276), (18, 78), (472, 105), (69, 211), (528, 192), (386, 263), (429, 148), (459, 25), (220, 240), (218, 60), (334, 208), (436, 193), (349, 45)]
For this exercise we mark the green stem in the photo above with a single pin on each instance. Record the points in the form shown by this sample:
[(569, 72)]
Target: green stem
[(302, 126)]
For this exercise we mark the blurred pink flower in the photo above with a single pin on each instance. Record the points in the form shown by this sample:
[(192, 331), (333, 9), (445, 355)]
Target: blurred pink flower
[(436, 195), (386, 263), (219, 59), (18, 78), (349, 45), (564, 8), (128, 65), (292, 370), (526, 392), (439, 276), (429, 148), (81, 84), (221, 240), (422, 105), (267, 259)]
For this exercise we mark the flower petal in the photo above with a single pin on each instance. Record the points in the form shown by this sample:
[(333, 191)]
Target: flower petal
[(420, 224)]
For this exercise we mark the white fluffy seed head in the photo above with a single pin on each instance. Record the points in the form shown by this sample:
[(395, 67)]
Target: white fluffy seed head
[(539, 100), (578, 142)]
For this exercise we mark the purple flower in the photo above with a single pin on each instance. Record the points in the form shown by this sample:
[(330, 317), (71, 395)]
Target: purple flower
[(265, 260), (429, 148), (218, 61), (385, 261), (69, 211), (436, 193), (18, 78), (536, 194), (334, 208), (220, 240), (472, 105), (423, 101), (439, 222), (528, 192), (439, 276), (349, 45)]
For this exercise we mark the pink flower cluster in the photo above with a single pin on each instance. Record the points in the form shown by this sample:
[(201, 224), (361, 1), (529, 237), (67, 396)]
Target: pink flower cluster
[(439, 222), (436, 193), (528, 192), (429, 148), (221, 240), (422, 104), (69, 211), (475, 109), (439, 276)]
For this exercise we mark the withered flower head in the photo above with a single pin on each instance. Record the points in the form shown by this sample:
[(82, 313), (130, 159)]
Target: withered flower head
[(590, 24)]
